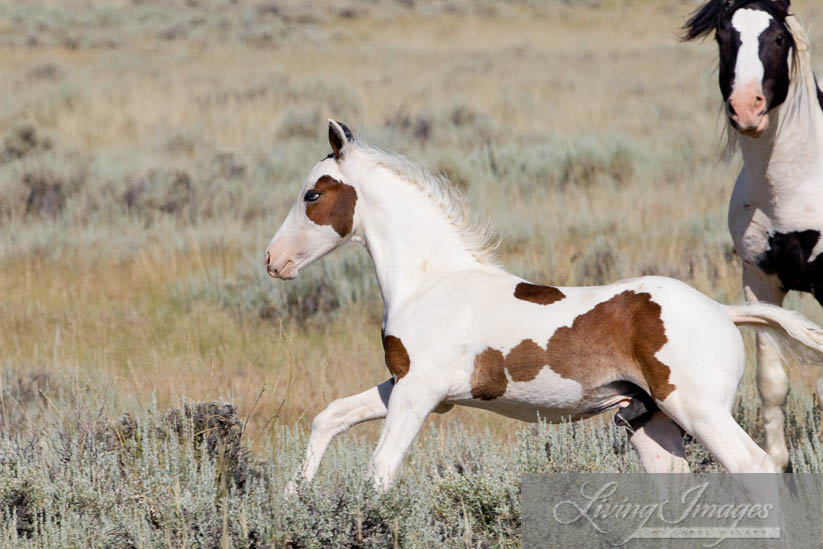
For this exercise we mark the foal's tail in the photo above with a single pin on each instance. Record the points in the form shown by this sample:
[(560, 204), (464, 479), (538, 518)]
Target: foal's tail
[(792, 326)]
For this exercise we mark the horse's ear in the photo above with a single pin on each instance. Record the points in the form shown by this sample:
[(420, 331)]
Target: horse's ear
[(783, 6), (339, 135)]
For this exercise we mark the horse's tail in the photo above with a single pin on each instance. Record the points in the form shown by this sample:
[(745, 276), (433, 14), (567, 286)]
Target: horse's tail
[(793, 328)]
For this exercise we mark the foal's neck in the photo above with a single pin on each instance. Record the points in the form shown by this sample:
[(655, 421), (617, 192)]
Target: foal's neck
[(789, 155), (412, 243)]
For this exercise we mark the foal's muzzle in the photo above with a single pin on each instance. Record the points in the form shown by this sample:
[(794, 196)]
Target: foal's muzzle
[(283, 269)]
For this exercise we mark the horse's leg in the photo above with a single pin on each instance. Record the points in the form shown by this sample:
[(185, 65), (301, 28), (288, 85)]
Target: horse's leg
[(735, 449), (707, 416), (731, 445), (772, 381), (411, 401), (338, 417), (818, 294), (659, 442), (706, 371)]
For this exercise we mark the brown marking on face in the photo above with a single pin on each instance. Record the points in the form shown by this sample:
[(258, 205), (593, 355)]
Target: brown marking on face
[(488, 379), (397, 359), (542, 295), (335, 206), (616, 340)]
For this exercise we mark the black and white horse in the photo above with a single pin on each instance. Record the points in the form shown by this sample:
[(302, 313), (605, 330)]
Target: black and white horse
[(775, 115)]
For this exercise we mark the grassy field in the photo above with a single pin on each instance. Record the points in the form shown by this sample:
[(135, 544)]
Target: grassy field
[(148, 152)]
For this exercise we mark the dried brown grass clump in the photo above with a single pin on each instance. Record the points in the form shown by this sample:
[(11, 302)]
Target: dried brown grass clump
[(23, 140), (217, 429)]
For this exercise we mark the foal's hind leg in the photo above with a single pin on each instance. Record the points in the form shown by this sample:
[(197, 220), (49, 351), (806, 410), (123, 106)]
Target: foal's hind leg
[(708, 418), (339, 416), (772, 381), (734, 448), (659, 442)]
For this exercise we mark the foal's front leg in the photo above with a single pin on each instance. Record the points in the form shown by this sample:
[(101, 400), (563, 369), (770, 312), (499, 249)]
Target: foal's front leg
[(411, 401), (339, 416)]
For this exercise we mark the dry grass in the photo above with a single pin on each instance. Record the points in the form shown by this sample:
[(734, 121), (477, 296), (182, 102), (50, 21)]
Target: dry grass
[(587, 131)]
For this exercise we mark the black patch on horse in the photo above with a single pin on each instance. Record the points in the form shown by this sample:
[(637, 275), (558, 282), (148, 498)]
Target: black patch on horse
[(638, 413), (728, 42), (819, 92), (776, 42), (788, 258)]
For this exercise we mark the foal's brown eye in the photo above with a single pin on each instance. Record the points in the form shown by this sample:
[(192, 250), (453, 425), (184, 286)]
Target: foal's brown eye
[(311, 196)]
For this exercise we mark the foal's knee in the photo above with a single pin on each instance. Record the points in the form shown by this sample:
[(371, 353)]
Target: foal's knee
[(331, 420)]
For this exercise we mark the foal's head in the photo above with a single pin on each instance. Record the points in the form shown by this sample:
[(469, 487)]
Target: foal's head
[(323, 217), (755, 45)]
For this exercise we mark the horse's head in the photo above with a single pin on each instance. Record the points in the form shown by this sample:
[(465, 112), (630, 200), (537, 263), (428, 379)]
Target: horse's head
[(323, 217), (755, 45)]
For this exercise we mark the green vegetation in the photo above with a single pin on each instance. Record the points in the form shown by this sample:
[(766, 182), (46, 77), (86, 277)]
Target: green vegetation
[(70, 476)]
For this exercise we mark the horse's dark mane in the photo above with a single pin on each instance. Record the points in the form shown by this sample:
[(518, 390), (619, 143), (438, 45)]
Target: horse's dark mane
[(706, 18)]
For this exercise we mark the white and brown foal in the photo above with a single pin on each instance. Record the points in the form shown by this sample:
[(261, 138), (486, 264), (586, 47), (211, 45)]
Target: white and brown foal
[(775, 114), (458, 329)]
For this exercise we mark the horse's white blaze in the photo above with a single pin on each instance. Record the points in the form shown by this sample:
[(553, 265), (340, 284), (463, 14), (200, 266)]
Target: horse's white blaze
[(747, 99), (750, 24)]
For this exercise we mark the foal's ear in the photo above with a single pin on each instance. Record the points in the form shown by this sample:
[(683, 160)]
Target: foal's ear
[(339, 135)]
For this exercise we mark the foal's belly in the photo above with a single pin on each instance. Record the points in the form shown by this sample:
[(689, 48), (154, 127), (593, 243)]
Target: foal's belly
[(553, 399)]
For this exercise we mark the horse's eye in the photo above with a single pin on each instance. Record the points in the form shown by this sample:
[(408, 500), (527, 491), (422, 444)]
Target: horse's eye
[(311, 196), (779, 39)]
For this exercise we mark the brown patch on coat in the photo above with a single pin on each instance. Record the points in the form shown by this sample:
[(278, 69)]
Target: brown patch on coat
[(488, 379), (397, 359), (616, 340), (526, 360), (542, 295), (335, 206)]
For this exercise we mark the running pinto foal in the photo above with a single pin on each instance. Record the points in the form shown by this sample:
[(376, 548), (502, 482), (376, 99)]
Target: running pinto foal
[(774, 110), (458, 329)]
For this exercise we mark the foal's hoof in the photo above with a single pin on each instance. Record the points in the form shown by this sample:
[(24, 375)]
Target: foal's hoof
[(789, 468)]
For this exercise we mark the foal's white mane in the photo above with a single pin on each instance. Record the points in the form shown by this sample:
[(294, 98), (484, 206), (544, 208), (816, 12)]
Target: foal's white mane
[(478, 236), (802, 79)]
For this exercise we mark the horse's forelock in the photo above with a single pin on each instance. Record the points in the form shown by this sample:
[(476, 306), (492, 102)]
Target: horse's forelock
[(706, 18)]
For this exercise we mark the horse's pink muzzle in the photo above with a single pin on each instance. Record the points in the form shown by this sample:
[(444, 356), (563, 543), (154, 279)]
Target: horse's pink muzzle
[(747, 110)]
